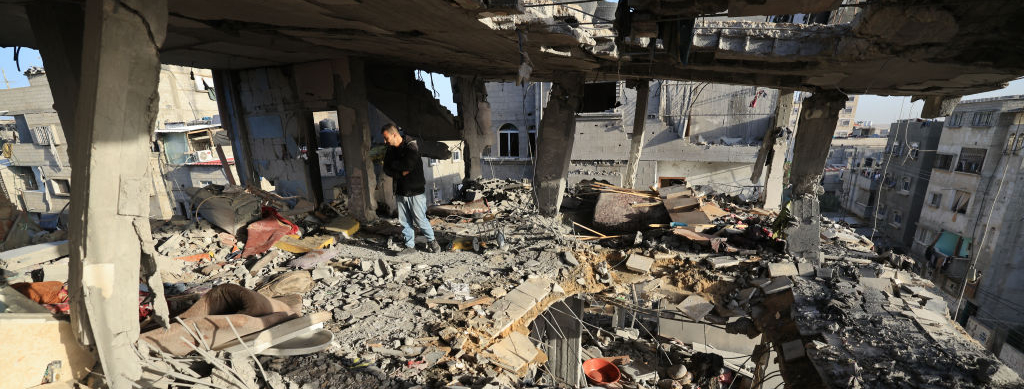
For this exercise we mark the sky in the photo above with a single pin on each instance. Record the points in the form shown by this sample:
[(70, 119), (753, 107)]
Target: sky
[(877, 109)]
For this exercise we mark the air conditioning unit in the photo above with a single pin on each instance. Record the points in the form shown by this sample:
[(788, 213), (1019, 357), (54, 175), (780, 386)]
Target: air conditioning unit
[(205, 156)]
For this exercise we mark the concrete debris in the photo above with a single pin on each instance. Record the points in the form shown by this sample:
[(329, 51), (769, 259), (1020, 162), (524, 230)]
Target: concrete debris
[(695, 307), (639, 263), (461, 318), (22, 257)]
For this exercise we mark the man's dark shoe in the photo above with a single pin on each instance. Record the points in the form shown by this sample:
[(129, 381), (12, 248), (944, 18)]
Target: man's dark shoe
[(433, 247), (406, 251)]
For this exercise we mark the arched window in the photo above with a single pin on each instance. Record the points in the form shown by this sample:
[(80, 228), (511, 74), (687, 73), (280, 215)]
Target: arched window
[(508, 141)]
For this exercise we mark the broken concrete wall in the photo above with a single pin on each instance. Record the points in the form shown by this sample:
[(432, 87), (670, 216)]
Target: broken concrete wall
[(275, 116), (186, 94)]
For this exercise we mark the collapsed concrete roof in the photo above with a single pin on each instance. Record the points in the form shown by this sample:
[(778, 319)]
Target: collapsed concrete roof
[(934, 47)]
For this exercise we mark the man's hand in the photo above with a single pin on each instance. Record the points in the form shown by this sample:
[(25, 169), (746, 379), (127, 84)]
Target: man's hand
[(405, 173)]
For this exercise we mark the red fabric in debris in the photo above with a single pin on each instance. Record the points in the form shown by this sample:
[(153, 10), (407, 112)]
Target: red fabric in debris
[(49, 292), (52, 295), (263, 233)]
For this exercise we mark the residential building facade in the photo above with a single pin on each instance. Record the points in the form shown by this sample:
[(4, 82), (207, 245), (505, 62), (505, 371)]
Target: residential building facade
[(970, 238), (907, 164), (704, 134), (857, 163), (36, 170)]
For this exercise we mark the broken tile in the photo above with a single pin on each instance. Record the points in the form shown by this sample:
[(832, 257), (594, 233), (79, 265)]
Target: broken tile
[(825, 273)]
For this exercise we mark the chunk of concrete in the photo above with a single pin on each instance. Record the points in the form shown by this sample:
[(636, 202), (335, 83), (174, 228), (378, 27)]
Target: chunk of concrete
[(777, 285), (805, 269), (724, 262), (783, 269), (883, 284), (695, 307), (514, 352), (793, 350), (537, 288), (23, 257), (825, 273), (639, 263), (746, 294)]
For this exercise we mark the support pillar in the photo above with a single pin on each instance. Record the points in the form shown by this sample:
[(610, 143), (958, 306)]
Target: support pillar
[(562, 332), (116, 108), (777, 141), (474, 122), (818, 117), (636, 144), (554, 142), (354, 130), (226, 84)]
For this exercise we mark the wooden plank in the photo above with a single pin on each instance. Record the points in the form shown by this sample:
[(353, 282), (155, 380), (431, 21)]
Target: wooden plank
[(485, 300)]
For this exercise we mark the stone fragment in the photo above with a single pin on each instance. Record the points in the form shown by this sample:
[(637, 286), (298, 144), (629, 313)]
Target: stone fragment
[(569, 258), (724, 262), (639, 263), (883, 284), (777, 285), (628, 333), (793, 350), (676, 371), (824, 273), (498, 292), (783, 269), (805, 269), (514, 352), (695, 307)]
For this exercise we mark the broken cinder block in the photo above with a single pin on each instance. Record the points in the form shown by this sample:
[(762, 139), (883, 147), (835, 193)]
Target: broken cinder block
[(639, 263), (695, 307)]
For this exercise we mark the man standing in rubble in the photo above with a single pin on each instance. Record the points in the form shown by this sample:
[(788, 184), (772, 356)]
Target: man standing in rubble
[(402, 162)]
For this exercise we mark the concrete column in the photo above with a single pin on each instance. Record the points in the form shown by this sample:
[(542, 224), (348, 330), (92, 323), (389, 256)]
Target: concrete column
[(818, 117), (354, 129), (636, 144), (562, 333), (554, 141), (775, 171), (116, 108), (226, 84), (474, 121)]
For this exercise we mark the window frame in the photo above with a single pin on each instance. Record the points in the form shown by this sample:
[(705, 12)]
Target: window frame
[(511, 132), (982, 118), (956, 120)]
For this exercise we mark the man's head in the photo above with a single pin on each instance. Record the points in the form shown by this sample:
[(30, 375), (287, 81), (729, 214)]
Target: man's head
[(391, 135)]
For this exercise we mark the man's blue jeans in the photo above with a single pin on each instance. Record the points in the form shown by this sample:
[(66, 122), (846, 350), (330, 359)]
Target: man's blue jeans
[(413, 209)]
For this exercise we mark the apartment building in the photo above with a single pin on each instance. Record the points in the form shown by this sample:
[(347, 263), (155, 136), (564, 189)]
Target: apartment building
[(852, 175), (35, 168), (970, 237), (701, 133), (906, 165)]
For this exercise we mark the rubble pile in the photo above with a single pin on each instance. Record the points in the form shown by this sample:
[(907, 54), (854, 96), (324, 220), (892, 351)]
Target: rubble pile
[(711, 302)]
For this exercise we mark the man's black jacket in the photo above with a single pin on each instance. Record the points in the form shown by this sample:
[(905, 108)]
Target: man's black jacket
[(405, 157)]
